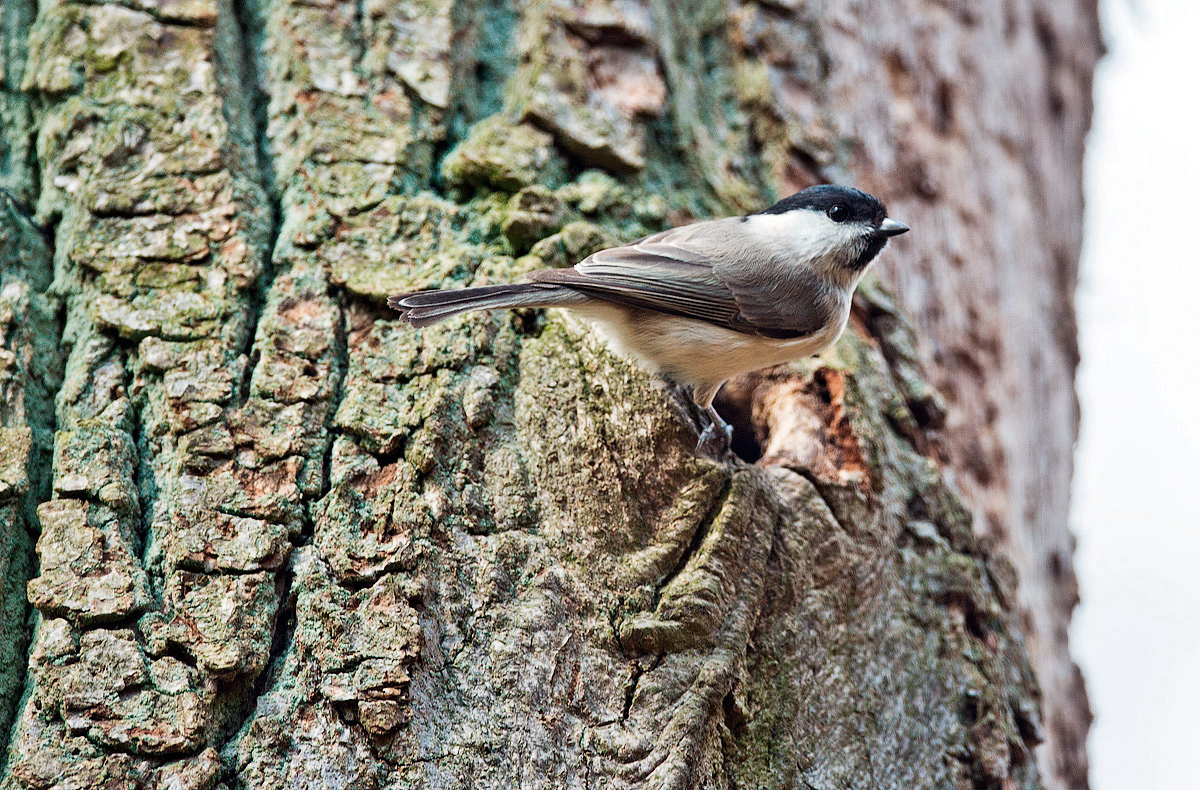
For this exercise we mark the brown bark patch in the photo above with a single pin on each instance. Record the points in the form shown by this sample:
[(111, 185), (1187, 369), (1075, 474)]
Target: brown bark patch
[(801, 422)]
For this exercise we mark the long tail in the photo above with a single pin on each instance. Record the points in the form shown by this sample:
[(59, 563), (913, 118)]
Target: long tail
[(428, 307)]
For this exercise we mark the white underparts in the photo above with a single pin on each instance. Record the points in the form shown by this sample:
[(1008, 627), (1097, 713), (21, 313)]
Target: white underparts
[(694, 352)]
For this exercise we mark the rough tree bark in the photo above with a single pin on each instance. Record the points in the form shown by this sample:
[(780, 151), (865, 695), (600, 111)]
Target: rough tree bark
[(282, 541)]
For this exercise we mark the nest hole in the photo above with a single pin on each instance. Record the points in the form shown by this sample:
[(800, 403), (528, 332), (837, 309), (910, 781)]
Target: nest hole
[(735, 405)]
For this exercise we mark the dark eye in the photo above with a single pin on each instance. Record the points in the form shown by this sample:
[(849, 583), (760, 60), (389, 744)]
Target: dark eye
[(838, 213)]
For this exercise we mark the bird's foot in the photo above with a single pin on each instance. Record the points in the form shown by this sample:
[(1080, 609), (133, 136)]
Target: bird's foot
[(717, 438)]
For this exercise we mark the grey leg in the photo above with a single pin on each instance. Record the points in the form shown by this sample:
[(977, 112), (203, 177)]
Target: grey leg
[(717, 436)]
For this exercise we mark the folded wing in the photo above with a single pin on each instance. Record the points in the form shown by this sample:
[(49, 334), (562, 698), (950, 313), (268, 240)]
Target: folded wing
[(664, 274)]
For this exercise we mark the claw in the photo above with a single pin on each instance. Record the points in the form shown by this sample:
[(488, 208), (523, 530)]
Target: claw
[(718, 435)]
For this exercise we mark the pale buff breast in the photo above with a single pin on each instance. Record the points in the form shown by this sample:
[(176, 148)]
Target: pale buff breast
[(696, 352)]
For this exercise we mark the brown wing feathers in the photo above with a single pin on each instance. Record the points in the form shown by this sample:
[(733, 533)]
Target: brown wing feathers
[(657, 273)]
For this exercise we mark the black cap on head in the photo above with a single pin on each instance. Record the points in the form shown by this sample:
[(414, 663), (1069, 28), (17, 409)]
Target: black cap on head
[(861, 206)]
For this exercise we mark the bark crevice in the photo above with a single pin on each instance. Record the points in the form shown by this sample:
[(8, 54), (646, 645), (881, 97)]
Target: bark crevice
[(244, 78), (379, 557)]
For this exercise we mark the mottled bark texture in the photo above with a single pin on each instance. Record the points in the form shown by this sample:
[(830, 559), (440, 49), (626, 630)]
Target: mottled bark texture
[(283, 541)]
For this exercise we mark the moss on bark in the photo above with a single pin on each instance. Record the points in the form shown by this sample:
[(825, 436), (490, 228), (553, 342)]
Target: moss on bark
[(286, 540)]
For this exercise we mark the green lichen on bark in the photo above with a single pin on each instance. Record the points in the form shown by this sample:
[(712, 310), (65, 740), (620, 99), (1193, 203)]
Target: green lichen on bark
[(287, 540), (17, 166), (879, 601), (158, 230), (30, 373)]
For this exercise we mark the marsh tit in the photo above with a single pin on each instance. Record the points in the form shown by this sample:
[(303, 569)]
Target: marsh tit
[(705, 302)]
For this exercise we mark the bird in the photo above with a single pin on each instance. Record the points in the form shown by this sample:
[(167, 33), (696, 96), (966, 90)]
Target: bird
[(702, 303)]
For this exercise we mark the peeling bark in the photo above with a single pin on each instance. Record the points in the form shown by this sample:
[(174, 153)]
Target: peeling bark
[(283, 540)]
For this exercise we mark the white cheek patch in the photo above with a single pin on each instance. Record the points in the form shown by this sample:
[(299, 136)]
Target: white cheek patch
[(809, 235)]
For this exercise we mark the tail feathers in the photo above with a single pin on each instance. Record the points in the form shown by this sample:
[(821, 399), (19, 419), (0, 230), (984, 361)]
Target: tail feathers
[(429, 307)]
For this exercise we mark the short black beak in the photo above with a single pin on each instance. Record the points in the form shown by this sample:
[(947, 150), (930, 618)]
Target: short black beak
[(890, 227)]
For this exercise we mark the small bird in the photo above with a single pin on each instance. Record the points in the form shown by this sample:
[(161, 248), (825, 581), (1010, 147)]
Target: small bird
[(702, 303)]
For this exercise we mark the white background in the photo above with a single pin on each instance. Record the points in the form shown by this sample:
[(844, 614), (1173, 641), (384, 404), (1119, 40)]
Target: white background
[(1136, 499)]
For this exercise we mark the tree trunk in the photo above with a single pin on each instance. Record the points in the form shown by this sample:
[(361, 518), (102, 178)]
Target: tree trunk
[(283, 540)]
